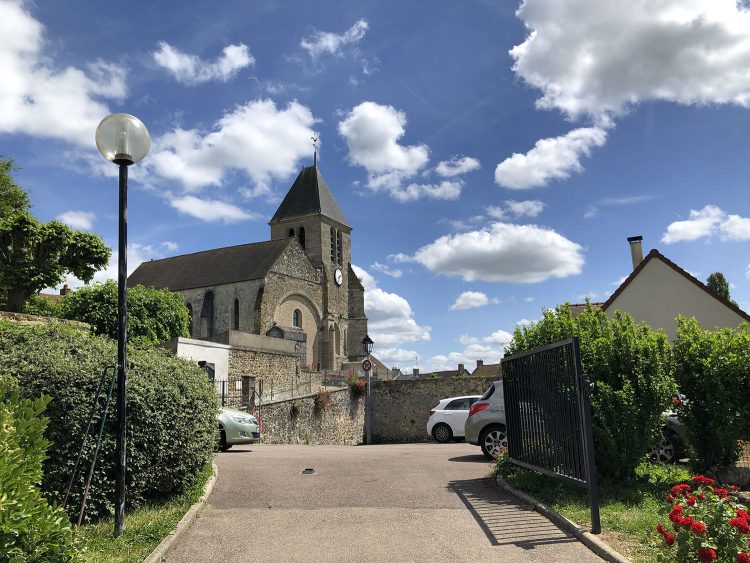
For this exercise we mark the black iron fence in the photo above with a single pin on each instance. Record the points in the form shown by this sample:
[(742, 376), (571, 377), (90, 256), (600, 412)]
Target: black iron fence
[(548, 416)]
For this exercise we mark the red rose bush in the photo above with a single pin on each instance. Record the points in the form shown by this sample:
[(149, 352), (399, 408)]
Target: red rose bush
[(706, 524)]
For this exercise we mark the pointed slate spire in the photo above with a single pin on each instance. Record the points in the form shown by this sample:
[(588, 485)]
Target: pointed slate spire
[(309, 195)]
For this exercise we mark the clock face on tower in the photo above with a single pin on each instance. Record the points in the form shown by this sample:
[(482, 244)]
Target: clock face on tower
[(338, 277)]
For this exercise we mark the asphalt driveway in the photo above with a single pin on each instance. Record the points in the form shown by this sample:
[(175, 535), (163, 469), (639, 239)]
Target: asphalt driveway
[(404, 502)]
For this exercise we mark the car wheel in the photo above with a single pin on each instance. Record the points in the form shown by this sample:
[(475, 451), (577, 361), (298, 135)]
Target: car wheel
[(442, 433), (492, 441), (223, 446), (667, 450)]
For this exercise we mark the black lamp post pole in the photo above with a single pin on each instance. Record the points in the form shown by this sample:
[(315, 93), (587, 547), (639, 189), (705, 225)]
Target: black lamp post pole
[(122, 350)]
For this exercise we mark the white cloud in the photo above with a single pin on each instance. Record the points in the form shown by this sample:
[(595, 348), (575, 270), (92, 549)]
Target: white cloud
[(372, 132), (390, 317), (514, 209), (191, 70), (489, 349), (324, 42), (593, 210), (38, 99), (471, 300), (707, 222), (503, 252), (78, 219), (169, 245), (550, 159), (528, 299), (456, 166), (524, 322), (257, 138), (593, 58), (392, 272), (211, 210)]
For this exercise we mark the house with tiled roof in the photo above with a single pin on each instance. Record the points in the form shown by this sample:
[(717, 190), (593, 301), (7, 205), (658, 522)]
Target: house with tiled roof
[(658, 290), (487, 370)]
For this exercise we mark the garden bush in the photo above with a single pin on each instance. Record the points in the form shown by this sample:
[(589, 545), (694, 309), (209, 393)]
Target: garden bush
[(171, 412), (630, 365), (30, 528), (712, 369)]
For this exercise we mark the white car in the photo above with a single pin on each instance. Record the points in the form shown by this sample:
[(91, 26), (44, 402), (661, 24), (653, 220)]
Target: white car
[(447, 418)]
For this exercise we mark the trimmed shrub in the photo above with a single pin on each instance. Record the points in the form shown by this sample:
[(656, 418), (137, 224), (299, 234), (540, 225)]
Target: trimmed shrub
[(712, 369), (43, 307), (629, 364), (154, 315), (171, 413), (30, 529)]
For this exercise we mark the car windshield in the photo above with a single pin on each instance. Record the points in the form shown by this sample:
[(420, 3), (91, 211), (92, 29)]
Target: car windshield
[(488, 393)]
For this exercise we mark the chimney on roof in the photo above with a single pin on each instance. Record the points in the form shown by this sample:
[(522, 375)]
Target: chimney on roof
[(636, 250), (460, 368), (415, 372), (65, 290), (480, 363)]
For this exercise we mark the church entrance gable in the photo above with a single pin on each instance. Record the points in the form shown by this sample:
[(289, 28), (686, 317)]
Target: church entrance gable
[(294, 262), (298, 310)]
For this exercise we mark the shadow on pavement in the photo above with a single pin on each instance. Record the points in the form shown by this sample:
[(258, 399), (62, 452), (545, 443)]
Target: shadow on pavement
[(470, 458), (504, 520)]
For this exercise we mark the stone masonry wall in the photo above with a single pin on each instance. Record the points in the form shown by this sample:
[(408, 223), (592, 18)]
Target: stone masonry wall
[(342, 423), (401, 408), (277, 370)]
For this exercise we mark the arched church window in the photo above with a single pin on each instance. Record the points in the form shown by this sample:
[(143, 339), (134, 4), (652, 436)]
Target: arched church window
[(302, 237), (291, 233), (190, 319), (297, 318), (236, 314), (207, 312)]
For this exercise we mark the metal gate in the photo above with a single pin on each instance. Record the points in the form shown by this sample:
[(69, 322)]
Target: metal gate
[(548, 416)]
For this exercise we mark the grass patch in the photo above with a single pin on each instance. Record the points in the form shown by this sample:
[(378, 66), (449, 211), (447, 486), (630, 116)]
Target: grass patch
[(629, 510), (145, 528)]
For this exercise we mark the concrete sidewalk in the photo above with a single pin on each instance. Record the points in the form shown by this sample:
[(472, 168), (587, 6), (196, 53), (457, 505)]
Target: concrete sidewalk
[(405, 502)]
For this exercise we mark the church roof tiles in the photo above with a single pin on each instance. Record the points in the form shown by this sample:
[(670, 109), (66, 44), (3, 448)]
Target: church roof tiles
[(210, 267), (309, 195)]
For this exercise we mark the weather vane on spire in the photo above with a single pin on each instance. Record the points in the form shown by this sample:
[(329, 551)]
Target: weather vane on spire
[(315, 146)]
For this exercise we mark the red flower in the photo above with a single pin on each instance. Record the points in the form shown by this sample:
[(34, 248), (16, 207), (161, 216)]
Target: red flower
[(691, 500), (743, 557), (734, 488), (722, 493), (742, 514), (701, 480), (660, 529), (676, 402), (742, 525), (677, 490), (698, 528), (669, 538), (687, 522), (706, 554), (702, 496)]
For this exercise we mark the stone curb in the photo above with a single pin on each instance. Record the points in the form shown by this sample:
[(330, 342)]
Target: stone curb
[(160, 553), (590, 540)]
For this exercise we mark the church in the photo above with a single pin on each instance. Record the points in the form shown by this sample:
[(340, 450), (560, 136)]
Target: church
[(297, 286)]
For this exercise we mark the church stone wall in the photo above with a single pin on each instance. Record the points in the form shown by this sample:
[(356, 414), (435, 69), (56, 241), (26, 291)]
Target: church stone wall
[(224, 296), (276, 369)]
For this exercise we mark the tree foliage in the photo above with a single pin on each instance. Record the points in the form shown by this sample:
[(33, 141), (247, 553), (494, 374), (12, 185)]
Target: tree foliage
[(171, 405), (717, 283), (712, 369), (35, 255), (153, 315), (12, 197), (630, 366), (30, 528)]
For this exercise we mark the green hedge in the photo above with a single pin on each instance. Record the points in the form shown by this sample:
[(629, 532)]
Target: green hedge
[(171, 412), (712, 369), (630, 365), (30, 529)]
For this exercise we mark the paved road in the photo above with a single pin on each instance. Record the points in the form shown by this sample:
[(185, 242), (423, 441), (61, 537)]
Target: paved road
[(404, 502)]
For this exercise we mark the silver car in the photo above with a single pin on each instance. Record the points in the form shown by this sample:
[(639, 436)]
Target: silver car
[(236, 427), (485, 425)]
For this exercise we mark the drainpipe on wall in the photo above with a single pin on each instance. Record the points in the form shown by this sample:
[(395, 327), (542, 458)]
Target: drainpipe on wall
[(636, 250)]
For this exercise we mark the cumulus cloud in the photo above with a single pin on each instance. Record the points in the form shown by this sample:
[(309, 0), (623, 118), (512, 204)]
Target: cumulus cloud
[(390, 317), (471, 300), (372, 132), (324, 42), (259, 139), (211, 210), (191, 70), (38, 99), (489, 349), (705, 223), (550, 159), (503, 252), (383, 268), (514, 209), (524, 322), (456, 166), (78, 219)]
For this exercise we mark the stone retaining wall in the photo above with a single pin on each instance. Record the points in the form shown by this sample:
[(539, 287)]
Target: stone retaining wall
[(401, 407), (297, 421)]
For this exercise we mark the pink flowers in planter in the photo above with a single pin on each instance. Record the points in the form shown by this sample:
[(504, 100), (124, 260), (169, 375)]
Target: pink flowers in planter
[(708, 523)]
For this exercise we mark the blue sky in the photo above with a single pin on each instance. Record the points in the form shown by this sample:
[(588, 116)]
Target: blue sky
[(492, 157)]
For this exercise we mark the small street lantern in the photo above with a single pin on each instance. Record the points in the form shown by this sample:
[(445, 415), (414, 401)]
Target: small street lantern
[(367, 344), (124, 140)]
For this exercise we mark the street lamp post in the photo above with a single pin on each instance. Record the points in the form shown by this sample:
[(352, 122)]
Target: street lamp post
[(367, 345), (124, 140)]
